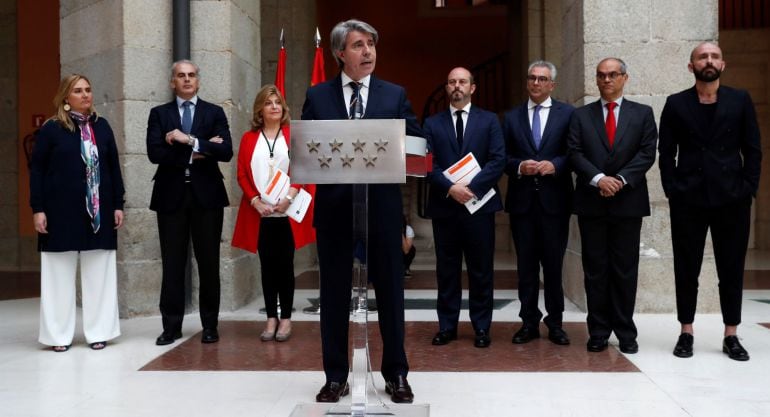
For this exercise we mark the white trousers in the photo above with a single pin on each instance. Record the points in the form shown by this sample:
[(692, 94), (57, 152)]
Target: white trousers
[(98, 279)]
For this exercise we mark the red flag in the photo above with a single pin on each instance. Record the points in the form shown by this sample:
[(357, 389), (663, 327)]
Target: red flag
[(319, 75), (280, 72)]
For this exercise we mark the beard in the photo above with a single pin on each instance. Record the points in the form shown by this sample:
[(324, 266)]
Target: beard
[(707, 74), (457, 95)]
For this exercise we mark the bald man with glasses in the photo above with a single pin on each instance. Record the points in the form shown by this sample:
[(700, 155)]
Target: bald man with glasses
[(611, 146)]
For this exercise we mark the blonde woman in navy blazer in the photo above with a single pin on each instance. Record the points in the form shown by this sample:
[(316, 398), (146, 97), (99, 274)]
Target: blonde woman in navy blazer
[(76, 194)]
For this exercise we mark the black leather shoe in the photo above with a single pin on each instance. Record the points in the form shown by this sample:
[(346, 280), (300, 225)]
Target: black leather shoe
[(558, 336), (443, 337), (683, 348), (482, 339), (332, 391), (210, 336), (525, 334), (399, 390), (629, 347), (167, 338), (732, 347), (596, 344)]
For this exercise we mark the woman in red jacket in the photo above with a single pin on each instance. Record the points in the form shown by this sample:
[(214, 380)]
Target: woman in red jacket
[(264, 149)]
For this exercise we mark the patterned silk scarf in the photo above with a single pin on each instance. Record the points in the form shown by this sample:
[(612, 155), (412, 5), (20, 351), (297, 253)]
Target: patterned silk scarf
[(90, 154)]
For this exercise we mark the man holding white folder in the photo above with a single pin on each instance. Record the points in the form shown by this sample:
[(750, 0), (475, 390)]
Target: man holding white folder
[(468, 160)]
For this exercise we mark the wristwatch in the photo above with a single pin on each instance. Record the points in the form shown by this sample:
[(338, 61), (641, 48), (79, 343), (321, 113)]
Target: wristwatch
[(290, 198), (191, 140)]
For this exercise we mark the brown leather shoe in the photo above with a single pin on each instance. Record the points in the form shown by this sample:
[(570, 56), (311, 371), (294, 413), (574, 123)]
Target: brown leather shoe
[(332, 391), (399, 390)]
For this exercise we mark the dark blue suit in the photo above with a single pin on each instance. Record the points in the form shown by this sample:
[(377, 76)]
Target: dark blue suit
[(189, 207), (540, 208), (455, 230), (610, 226), (333, 222)]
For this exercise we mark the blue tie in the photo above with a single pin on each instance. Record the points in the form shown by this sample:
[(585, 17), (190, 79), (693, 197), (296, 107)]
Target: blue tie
[(356, 106), (536, 134), (187, 117)]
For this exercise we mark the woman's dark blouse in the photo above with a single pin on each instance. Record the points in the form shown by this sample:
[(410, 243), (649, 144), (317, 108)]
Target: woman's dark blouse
[(57, 182)]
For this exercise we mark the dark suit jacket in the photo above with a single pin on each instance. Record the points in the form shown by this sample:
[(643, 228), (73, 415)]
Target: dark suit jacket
[(325, 101), (553, 191), (709, 162), (631, 156), (207, 180), (57, 179), (484, 138)]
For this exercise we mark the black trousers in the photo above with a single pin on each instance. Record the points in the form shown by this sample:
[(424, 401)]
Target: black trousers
[(611, 268), (175, 229), (276, 254), (474, 237), (730, 225), (409, 257), (386, 273), (540, 239)]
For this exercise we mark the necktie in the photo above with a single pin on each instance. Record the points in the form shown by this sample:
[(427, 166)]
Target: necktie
[(356, 107), (536, 134), (187, 117), (609, 124), (459, 127)]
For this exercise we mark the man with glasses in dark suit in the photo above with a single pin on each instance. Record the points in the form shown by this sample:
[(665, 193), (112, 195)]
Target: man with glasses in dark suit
[(539, 200), (611, 145)]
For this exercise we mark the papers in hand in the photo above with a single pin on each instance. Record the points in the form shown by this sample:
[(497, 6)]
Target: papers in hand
[(462, 172), (299, 206), (278, 187)]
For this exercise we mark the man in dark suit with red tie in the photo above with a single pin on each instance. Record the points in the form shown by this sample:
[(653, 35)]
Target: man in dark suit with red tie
[(452, 134), (186, 138), (611, 145), (710, 159), (539, 200), (356, 93)]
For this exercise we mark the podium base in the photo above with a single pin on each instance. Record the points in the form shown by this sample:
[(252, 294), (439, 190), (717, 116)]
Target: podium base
[(398, 410)]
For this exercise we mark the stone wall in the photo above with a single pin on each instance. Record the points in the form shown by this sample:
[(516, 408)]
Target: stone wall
[(129, 65), (747, 54)]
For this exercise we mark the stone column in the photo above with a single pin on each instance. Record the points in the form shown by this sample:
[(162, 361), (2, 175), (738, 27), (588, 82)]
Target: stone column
[(125, 49), (654, 38)]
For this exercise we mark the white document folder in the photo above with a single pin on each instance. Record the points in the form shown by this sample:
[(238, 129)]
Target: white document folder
[(462, 172)]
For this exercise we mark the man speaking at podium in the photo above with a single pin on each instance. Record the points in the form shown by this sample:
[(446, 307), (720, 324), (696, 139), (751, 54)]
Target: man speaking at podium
[(356, 93)]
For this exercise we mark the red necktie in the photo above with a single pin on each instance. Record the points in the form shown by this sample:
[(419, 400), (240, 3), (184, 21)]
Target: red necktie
[(609, 124)]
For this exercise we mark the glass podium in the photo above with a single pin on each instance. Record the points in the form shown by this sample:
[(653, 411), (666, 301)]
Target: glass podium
[(357, 152)]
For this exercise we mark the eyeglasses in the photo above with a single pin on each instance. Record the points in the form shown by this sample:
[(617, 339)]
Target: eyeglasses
[(612, 75), (541, 79)]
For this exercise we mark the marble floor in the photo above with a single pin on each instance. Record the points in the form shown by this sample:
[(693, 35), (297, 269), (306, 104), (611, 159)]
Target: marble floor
[(242, 376)]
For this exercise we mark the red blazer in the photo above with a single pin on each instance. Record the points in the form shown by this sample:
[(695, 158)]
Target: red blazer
[(246, 233)]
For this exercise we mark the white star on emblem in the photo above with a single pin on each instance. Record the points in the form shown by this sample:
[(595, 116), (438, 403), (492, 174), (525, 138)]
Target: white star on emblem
[(335, 145), (370, 160), (347, 160), (358, 145), (324, 161), (312, 146), (381, 145)]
